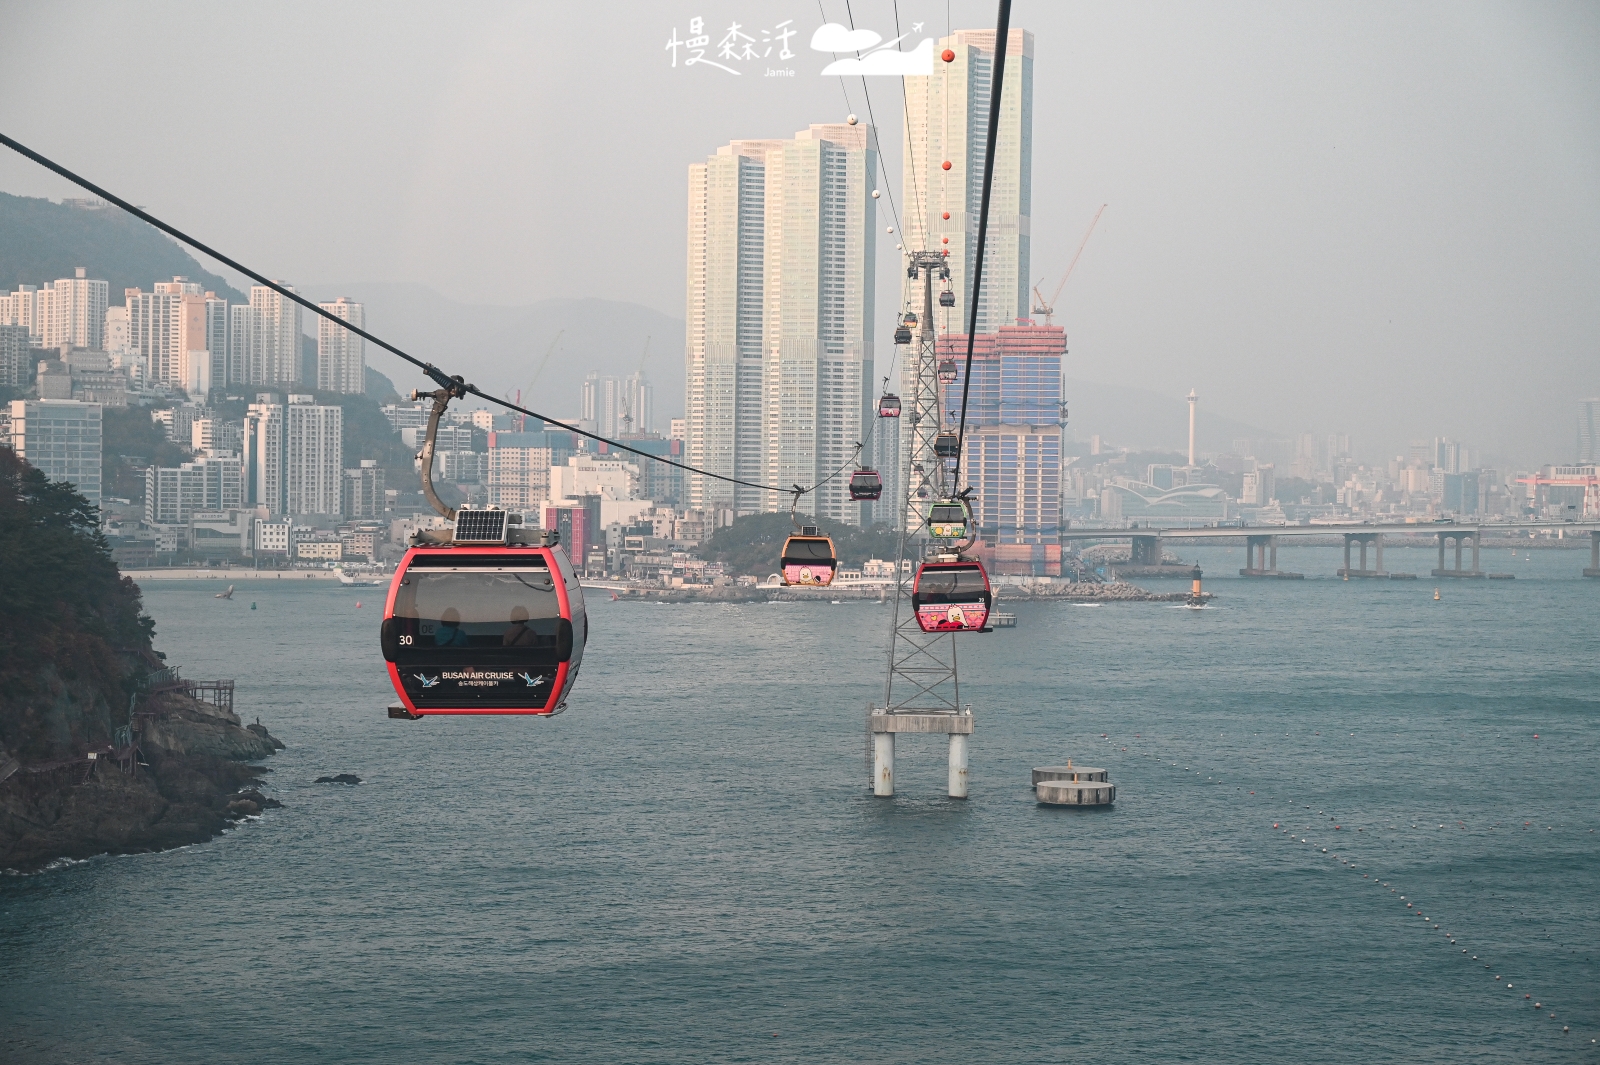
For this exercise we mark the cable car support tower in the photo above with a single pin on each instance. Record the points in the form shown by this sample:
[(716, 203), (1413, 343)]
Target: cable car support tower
[(922, 693)]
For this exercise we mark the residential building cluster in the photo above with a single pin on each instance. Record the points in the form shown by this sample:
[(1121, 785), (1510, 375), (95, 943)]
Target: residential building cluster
[(178, 339)]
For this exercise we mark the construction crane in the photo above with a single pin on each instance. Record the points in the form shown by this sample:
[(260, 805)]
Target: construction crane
[(522, 423), (1048, 308)]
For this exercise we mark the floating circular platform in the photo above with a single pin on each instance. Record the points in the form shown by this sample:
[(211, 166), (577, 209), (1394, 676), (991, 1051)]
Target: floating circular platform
[(1067, 772), (1076, 792)]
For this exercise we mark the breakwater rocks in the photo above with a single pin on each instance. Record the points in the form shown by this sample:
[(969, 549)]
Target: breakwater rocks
[(185, 778), (1111, 591)]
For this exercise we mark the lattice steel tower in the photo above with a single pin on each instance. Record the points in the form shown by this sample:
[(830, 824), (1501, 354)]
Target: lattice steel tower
[(922, 692)]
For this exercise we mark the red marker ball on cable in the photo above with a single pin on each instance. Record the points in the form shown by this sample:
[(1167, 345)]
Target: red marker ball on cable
[(946, 164), (948, 56)]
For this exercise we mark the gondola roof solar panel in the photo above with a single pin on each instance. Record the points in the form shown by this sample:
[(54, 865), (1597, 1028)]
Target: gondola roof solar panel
[(480, 527)]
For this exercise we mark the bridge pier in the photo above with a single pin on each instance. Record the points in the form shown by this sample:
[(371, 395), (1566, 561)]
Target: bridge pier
[(1459, 538), (1594, 555), (1363, 539), (1261, 558), (1145, 551)]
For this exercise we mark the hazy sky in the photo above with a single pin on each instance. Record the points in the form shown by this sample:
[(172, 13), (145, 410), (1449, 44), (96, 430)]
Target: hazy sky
[(1381, 219)]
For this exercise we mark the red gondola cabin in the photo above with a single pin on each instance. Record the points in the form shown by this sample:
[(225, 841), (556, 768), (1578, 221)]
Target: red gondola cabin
[(951, 596), (483, 628)]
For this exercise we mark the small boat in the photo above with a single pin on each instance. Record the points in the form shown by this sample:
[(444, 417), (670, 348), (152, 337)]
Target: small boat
[(1002, 621), (360, 580)]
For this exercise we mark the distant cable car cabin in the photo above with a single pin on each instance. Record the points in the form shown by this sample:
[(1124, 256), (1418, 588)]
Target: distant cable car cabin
[(947, 445), (950, 519), (889, 406), (947, 298), (902, 334), (951, 594), (865, 485), (485, 619), (808, 558), (947, 371)]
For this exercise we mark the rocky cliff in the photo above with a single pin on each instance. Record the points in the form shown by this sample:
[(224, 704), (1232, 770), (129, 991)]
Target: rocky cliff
[(102, 747)]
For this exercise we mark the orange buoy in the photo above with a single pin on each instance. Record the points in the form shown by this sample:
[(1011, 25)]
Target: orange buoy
[(948, 56), (946, 164)]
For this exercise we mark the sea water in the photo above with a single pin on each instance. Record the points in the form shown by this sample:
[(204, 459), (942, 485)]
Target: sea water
[(687, 866)]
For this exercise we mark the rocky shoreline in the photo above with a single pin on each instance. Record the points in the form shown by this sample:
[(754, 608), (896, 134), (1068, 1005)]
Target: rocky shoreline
[(190, 776)]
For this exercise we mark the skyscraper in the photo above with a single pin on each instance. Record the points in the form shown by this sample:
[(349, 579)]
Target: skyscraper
[(780, 304), (264, 339), (946, 132), (1013, 446), (294, 455), (1589, 431), (341, 354), (73, 310)]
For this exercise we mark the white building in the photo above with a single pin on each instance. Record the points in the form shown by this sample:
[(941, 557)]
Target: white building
[(618, 405), (60, 438), (264, 339), (948, 124), (73, 312), (518, 473), (214, 436), (172, 495), (606, 476), (780, 306), (22, 308), (341, 354), (294, 455)]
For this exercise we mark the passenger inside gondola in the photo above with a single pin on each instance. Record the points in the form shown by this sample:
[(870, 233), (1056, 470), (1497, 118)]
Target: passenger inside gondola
[(518, 634), (449, 632)]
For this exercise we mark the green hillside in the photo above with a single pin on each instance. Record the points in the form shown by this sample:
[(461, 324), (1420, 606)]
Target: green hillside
[(41, 241)]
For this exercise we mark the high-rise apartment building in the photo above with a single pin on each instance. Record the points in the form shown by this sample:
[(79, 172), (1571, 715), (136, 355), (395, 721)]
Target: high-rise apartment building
[(61, 439), (264, 339), (294, 455), (73, 312), (69, 312), (16, 356), (341, 354), (363, 491), (780, 305), (616, 405), (1013, 444), (21, 308), (519, 471), (947, 129), (1589, 431), (175, 334)]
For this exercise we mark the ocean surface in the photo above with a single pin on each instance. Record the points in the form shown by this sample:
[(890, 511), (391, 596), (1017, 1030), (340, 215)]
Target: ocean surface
[(687, 866)]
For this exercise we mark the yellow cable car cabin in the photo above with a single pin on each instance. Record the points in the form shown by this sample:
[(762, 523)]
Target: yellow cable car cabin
[(808, 558)]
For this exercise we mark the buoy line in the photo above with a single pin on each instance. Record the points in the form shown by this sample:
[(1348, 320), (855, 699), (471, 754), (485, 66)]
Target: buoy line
[(1307, 837)]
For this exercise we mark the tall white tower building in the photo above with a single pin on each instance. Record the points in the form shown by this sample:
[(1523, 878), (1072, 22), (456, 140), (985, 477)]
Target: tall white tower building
[(341, 354), (947, 130), (294, 455), (780, 305), (73, 310)]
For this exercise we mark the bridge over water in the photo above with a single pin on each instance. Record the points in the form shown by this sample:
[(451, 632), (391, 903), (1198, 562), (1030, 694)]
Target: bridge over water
[(1261, 543)]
